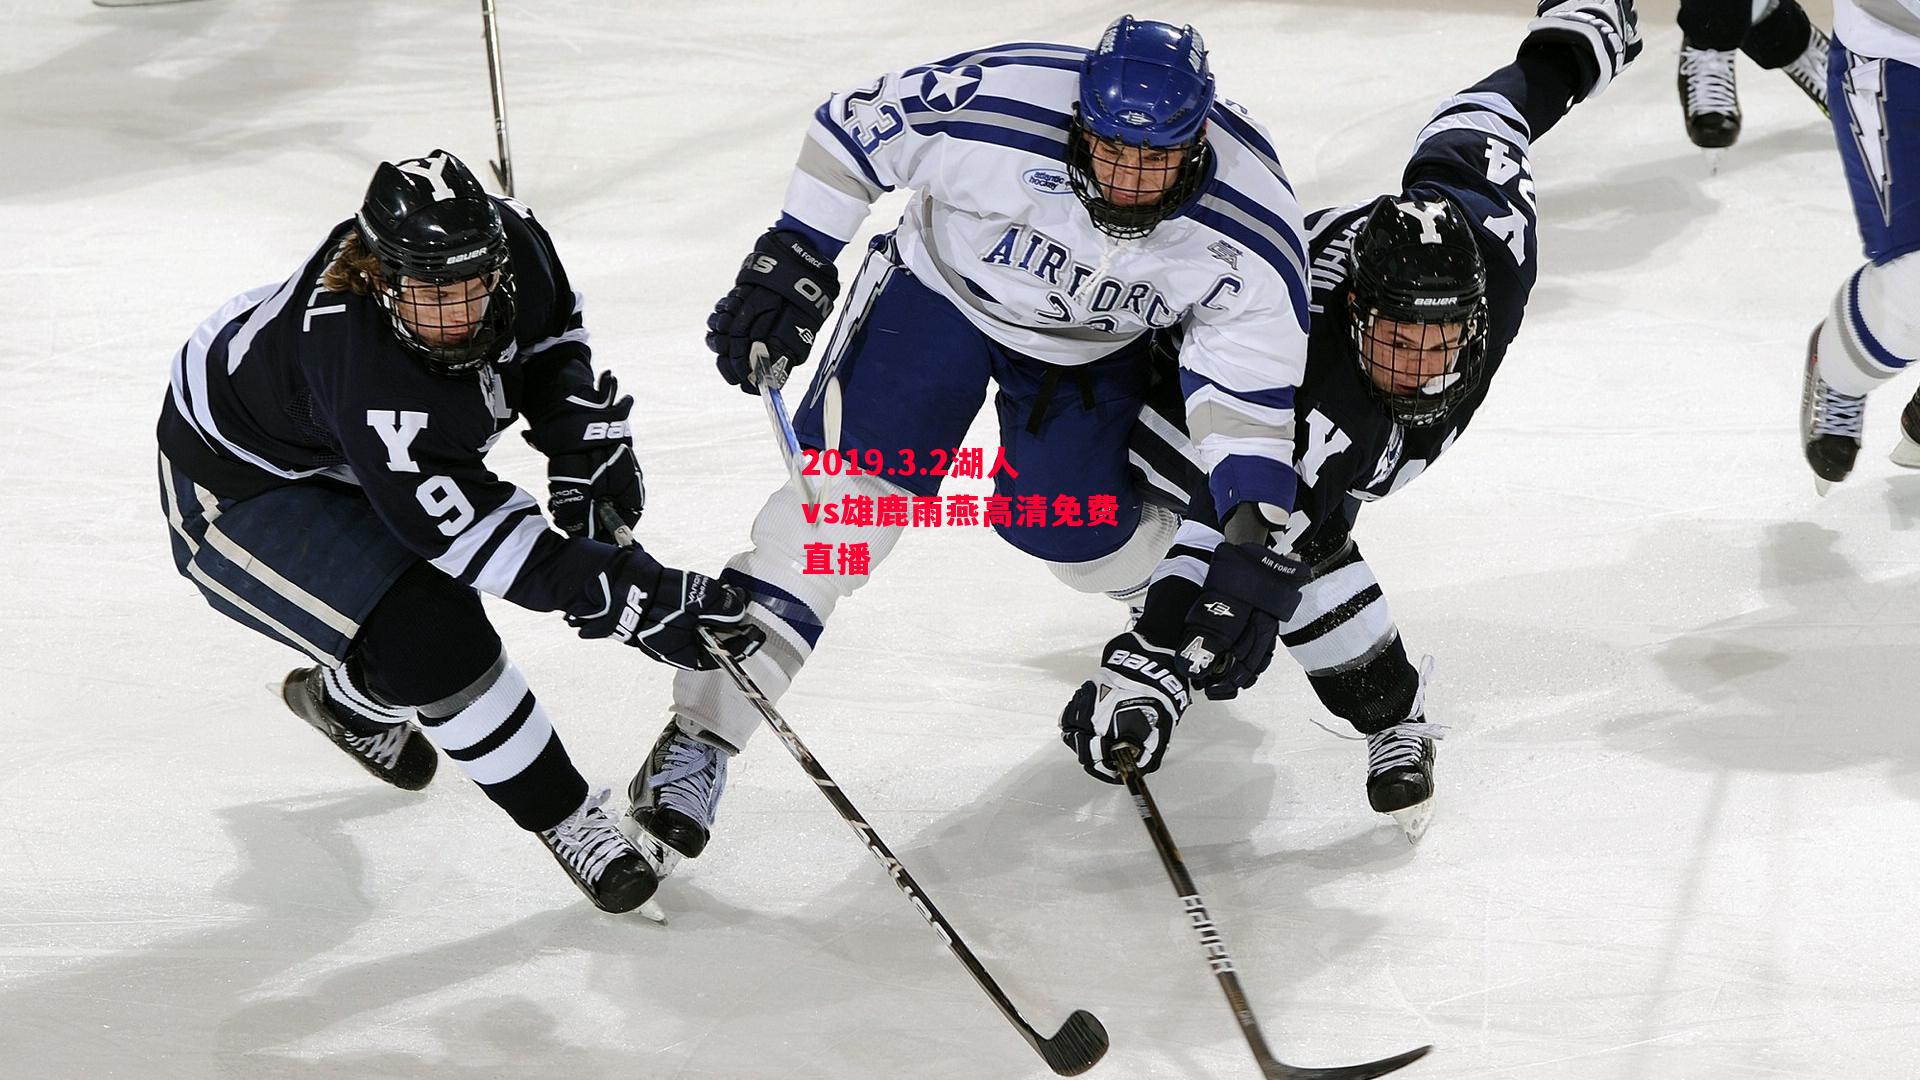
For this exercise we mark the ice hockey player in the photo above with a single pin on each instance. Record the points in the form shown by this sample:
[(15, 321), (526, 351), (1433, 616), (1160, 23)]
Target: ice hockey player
[(1416, 297), (1066, 202), (1872, 331), (1776, 34), (322, 467)]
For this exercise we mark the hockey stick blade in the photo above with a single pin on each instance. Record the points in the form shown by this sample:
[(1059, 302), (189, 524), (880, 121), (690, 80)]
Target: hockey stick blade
[(1275, 1070), (1078, 1046)]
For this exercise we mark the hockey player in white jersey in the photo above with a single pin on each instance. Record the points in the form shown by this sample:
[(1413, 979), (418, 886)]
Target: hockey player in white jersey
[(1416, 297), (1872, 330), (1066, 202)]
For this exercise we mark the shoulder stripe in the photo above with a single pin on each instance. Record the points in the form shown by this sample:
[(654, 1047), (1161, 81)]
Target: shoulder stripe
[(1246, 135), (1013, 51), (996, 110), (1050, 146), (1225, 218)]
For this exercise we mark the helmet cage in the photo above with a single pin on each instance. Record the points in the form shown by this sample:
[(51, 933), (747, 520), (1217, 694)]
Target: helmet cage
[(1124, 221)]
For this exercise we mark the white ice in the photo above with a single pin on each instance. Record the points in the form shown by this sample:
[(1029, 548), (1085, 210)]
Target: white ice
[(1675, 837)]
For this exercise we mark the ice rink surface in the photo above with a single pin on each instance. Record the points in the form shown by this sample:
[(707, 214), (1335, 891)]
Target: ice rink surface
[(1674, 837)]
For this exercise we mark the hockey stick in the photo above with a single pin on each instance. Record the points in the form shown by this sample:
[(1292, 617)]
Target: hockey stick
[(503, 168), (1079, 1043), (1216, 949), (783, 435)]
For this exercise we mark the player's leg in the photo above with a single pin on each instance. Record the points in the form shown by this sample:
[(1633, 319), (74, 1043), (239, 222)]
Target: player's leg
[(1783, 38), (1709, 101), (1872, 330), (396, 642), (911, 372), (1066, 435)]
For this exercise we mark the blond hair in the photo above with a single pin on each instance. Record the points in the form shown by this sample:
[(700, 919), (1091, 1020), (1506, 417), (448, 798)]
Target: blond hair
[(353, 269)]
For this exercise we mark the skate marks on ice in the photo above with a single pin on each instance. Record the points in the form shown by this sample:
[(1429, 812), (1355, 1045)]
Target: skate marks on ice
[(269, 992)]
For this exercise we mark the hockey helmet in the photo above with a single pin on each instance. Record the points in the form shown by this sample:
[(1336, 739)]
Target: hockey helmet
[(1147, 85), (429, 223), (1416, 264)]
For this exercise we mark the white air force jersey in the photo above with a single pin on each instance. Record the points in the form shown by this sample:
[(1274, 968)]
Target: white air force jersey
[(981, 140), (1884, 28)]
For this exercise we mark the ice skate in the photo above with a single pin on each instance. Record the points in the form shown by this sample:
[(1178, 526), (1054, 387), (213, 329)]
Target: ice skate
[(1907, 454), (675, 798), (1830, 423), (1809, 70), (1400, 774), (399, 754), (602, 862), (1709, 100)]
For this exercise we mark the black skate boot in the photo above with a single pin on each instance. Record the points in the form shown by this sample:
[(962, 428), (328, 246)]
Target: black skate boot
[(1830, 423), (396, 753), (1400, 774), (676, 796), (1809, 70), (606, 866), (1708, 98)]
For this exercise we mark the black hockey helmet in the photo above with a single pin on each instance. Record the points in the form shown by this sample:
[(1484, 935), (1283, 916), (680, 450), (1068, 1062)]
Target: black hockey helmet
[(1415, 261), (428, 222)]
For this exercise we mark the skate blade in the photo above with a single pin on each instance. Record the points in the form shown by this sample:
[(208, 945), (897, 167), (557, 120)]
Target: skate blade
[(1821, 486), (1413, 820), (1907, 454), (662, 858), (1713, 160), (651, 910)]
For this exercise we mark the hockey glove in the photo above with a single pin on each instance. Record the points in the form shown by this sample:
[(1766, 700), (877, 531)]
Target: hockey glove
[(661, 611), (1135, 700), (1233, 627), (1605, 34), (781, 297), (589, 447)]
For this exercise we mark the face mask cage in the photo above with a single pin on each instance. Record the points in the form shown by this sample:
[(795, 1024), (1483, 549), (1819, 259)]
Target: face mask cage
[(444, 331), (1175, 185), (1414, 386)]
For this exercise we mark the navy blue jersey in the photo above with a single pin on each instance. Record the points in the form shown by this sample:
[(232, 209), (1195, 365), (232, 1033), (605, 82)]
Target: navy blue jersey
[(291, 383), (1348, 449)]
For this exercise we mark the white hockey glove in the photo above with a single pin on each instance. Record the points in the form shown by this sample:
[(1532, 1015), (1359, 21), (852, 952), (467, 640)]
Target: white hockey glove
[(1136, 699), (1605, 33)]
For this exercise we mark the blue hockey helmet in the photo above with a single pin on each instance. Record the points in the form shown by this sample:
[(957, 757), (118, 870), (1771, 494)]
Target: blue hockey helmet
[(1144, 95), (433, 228), (1146, 84)]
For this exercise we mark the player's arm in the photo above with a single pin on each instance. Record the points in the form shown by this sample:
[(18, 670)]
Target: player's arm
[(421, 470), (582, 425), (860, 144)]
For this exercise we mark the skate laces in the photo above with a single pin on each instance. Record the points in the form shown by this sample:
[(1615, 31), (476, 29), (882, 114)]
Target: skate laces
[(1835, 413), (587, 840), (1402, 743), (690, 777), (382, 748), (1709, 76)]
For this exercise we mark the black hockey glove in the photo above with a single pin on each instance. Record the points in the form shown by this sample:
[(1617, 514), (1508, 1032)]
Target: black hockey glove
[(1135, 700), (1233, 627), (661, 611), (1605, 34), (590, 462), (781, 297)]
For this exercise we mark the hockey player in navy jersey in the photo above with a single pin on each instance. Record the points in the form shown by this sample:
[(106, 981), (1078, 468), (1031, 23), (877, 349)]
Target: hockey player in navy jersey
[(1065, 202), (1872, 329), (322, 467), (1415, 298)]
